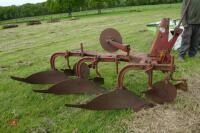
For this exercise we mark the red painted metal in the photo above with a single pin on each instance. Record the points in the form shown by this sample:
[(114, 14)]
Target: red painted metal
[(162, 46)]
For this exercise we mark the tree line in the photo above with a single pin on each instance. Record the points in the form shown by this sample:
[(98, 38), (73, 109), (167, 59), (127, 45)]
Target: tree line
[(69, 6)]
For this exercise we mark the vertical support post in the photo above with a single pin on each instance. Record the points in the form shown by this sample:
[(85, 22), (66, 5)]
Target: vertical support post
[(82, 51), (150, 78), (67, 58)]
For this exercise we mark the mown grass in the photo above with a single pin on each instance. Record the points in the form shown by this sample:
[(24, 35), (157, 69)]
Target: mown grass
[(27, 49)]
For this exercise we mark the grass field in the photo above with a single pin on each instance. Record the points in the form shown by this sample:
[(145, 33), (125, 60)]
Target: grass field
[(26, 49)]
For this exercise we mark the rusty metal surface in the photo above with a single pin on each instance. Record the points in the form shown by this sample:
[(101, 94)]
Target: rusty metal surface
[(74, 86), (84, 71), (162, 92), (118, 99), (46, 77), (110, 34)]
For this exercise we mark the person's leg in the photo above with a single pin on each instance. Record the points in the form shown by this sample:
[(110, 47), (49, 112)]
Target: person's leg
[(195, 40), (198, 37), (186, 40), (198, 41)]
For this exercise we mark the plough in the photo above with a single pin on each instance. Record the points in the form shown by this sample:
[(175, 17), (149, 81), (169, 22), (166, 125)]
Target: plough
[(159, 59)]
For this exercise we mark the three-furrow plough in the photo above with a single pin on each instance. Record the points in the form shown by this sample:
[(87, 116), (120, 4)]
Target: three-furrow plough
[(158, 59)]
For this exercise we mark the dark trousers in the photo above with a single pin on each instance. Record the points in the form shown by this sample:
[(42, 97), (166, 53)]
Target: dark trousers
[(190, 40)]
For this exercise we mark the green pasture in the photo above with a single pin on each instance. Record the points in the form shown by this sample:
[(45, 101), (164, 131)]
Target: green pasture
[(27, 49)]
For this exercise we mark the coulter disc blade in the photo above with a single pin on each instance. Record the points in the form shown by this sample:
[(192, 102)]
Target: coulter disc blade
[(118, 99), (47, 77), (74, 86), (162, 92)]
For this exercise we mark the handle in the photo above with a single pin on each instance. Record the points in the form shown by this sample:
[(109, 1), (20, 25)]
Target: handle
[(184, 13)]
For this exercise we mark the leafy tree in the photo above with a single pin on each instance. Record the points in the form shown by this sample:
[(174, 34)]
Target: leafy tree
[(69, 6)]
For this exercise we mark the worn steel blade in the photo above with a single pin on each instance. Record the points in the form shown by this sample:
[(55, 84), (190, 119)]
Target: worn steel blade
[(74, 86), (46, 77), (118, 99), (162, 92)]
